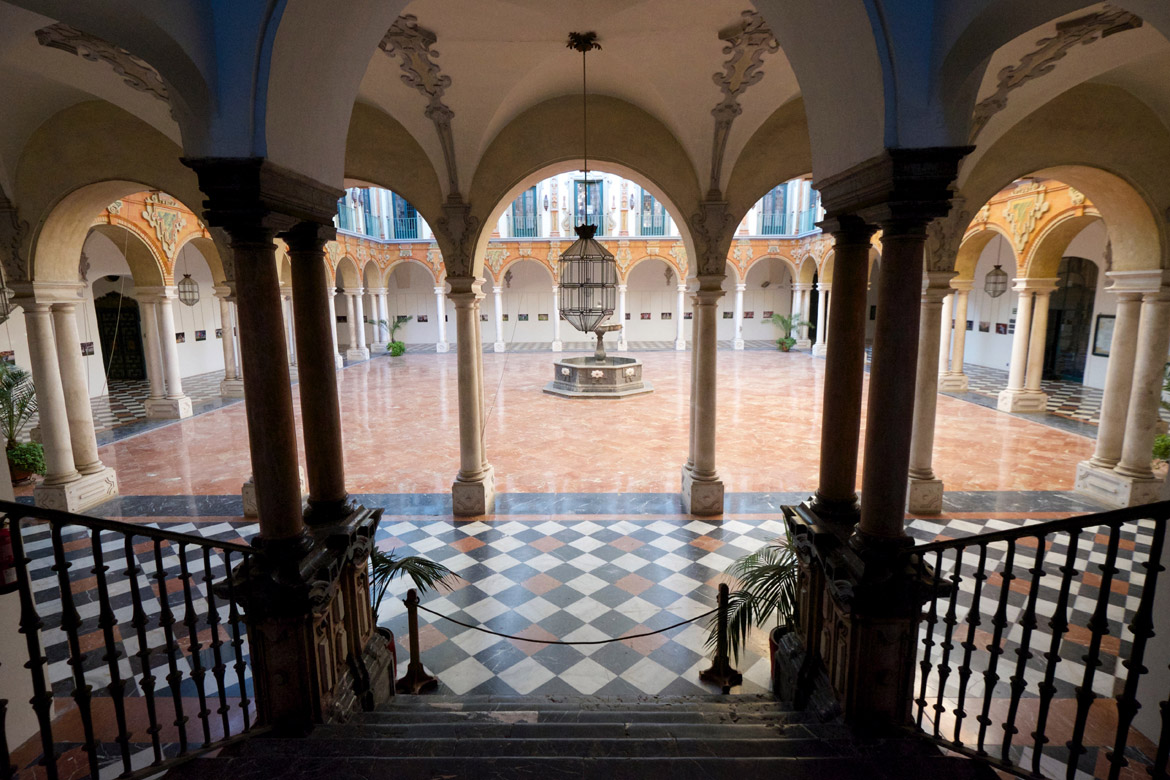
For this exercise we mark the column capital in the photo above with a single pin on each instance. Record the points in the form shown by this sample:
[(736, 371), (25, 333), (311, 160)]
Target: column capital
[(824, 286), (849, 230), (962, 285), (224, 292), (682, 288), (801, 286), (376, 290), (707, 297), (1035, 285), (26, 293), (308, 237), (622, 287), (439, 289), (250, 196), (936, 285), (740, 287), (462, 284), (709, 282), (1138, 281), (154, 294)]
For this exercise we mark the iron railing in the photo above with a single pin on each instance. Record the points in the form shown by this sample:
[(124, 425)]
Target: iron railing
[(773, 224), (525, 225), (99, 644), (807, 221), (405, 227), (1031, 634), (653, 224)]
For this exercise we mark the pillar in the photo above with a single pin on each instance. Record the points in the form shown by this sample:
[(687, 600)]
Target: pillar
[(820, 348), (803, 292), (338, 360), (153, 349), (925, 490), (955, 380), (473, 492), (441, 311), (53, 416), (320, 409), (359, 305), (557, 346), (174, 404), (74, 383), (382, 328), (943, 362), (1036, 343), (1145, 396), (498, 300), (286, 306), (680, 336), (702, 489), (623, 344), (739, 289), (1017, 397), (355, 350), (836, 496)]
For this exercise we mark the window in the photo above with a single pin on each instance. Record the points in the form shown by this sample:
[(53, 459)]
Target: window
[(808, 217), (588, 206), (653, 221), (525, 218), (774, 212), (371, 227), (405, 218)]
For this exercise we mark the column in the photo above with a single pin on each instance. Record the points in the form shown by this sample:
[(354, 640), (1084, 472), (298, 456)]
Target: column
[(498, 300), (225, 327), (153, 349), (925, 491), (1145, 397), (382, 319), (82, 437), (1009, 397), (805, 295), (738, 343), (955, 380), (680, 336), (557, 346), (836, 496), (1037, 343), (354, 351), (320, 410), (286, 306), (338, 360), (360, 322), (702, 489), (54, 418), (441, 311), (820, 347), (473, 492), (943, 362), (175, 405), (623, 344)]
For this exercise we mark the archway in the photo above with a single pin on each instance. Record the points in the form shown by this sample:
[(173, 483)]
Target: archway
[(768, 291)]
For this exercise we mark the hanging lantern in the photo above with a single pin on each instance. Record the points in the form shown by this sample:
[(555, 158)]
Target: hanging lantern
[(188, 290), (996, 282)]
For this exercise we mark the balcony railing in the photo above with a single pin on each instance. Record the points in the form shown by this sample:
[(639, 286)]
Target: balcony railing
[(653, 224), (808, 221), (525, 225), (773, 224), (592, 219), (405, 227)]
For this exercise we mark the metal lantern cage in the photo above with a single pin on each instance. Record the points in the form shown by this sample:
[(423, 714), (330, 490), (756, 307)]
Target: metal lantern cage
[(588, 282), (996, 282), (188, 290)]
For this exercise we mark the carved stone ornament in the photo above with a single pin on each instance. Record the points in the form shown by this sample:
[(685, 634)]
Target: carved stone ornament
[(1022, 213), (136, 74), (163, 214), (412, 45), (13, 232), (944, 235), (711, 226), (747, 43), (679, 253), (83, 268), (1076, 196), (494, 257), (460, 228), (1042, 60), (115, 207)]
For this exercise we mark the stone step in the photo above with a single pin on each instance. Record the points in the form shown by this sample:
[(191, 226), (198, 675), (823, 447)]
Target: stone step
[(391, 717), (738, 703), (467, 730), (581, 701)]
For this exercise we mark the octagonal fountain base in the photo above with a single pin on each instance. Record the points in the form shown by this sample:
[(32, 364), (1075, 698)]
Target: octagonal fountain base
[(588, 377)]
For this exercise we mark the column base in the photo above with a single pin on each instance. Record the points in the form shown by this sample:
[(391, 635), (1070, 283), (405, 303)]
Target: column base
[(925, 497), (557, 346), (338, 361), (473, 498), (80, 494), (499, 346), (820, 350), (355, 355), (1022, 401), (1113, 489), (952, 383), (442, 347), (378, 349), (248, 494), (171, 408), (623, 346), (701, 497), (737, 344), (680, 345), (803, 344), (232, 388)]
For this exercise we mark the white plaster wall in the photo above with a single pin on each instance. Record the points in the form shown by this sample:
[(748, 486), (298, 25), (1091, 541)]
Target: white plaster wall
[(530, 292), (411, 292), (198, 357), (649, 292), (757, 299)]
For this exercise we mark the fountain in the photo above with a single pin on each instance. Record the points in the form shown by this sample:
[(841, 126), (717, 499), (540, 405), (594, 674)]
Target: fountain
[(598, 376)]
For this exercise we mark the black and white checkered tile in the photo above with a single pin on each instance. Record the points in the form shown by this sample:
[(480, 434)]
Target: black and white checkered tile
[(588, 346)]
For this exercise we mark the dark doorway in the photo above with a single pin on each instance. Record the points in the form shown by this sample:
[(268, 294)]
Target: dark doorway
[(814, 305), (120, 331), (1070, 320)]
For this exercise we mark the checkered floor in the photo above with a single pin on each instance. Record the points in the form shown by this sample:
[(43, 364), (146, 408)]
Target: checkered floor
[(588, 346)]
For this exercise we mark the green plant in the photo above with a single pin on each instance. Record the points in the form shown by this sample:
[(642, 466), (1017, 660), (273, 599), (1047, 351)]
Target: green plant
[(787, 324), (392, 328), (395, 348), (1162, 447), (26, 456), (18, 401), (767, 589), (385, 567)]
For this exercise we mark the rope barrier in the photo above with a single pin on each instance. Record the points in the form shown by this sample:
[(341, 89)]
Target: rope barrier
[(559, 642)]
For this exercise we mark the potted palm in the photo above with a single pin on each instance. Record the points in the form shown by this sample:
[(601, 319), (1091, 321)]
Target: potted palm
[(385, 567), (787, 323), (18, 403), (394, 347)]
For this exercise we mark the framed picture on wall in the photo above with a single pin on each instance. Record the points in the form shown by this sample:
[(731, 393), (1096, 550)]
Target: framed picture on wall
[(970, 324), (1103, 334), (688, 315), (645, 315), (749, 315), (201, 335), (505, 318), (728, 315), (984, 327), (522, 317), (766, 315), (1001, 328), (627, 316), (180, 338), (219, 333), (423, 318), (483, 318), (8, 356), (86, 348), (542, 318), (342, 318)]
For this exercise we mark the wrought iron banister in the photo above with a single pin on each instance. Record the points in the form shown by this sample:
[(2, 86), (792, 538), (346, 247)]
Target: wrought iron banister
[(182, 620), (1005, 615)]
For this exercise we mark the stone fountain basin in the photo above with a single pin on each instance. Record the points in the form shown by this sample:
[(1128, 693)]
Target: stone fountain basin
[(587, 377)]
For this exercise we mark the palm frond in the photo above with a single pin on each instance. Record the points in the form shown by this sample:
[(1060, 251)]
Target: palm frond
[(767, 589), (426, 574)]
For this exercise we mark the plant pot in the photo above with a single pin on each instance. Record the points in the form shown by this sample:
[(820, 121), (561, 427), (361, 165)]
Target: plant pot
[(784, 347), (19, 476), (774, 637)]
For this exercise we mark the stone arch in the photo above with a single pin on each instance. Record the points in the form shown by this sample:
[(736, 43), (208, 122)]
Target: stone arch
[(825, 275), (808, 269), (972, 249), (777, 152), (146, 267), (208, 249), (371, 274), (787, 261), (346, 274), (516, 259), (1043, 262), (384, 276), (679, 272)]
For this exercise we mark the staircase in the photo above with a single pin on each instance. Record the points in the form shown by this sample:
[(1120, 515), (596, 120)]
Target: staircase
[(490, 737)]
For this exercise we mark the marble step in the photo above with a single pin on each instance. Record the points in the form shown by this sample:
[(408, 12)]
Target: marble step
[(465, 730), (578, 716), (490, 703)]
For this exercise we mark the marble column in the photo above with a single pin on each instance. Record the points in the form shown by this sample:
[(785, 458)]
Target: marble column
[(925, 490), (680, 334), (804, 292), (738, 342), (82, 437), (320, 409), (557, 346), (54, 417), (1145, 396), (821, 347), (836, 495), (955, 380), (359, 323), (1036, 344), (623, 343), (498, 300), (702, 489), (943, 362), (1100, 477), (286, 306), (383, 327), (473, 492), (227, 342), (174, 404), (441, 311), (354, 351), (148, 312), (338, 360), (1009, 398)]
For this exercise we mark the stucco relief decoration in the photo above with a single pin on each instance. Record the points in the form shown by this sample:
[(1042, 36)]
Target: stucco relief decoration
[(1042, 60), (747, 43), (163, 214), (412, 45), (115, 207), (623, 257), (136, 73), (435, 259), (13, 232), (405, 250), (494, 258), (943, 237), (1022, 213), (984, 213), (679, 253), (1076, 196)]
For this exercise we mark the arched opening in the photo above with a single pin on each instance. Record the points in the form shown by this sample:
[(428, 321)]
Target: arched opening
[(653, 302), (410, 295), (768, 291)]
